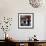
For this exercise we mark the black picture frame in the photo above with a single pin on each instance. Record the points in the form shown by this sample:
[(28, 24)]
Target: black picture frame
[(22, 20)]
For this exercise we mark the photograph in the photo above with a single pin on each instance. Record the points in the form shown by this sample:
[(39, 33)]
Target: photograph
[(25, 20)]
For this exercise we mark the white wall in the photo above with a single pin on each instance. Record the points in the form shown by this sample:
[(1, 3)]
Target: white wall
[(11, 8)]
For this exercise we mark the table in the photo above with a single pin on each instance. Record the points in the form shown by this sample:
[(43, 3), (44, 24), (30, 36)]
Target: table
[(27, 42)]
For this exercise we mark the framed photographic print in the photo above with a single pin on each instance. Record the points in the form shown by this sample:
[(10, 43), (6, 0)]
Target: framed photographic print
[(25, 20)]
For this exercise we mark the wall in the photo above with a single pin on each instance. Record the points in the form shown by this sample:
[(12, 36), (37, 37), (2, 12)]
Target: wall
[(11, 8)]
